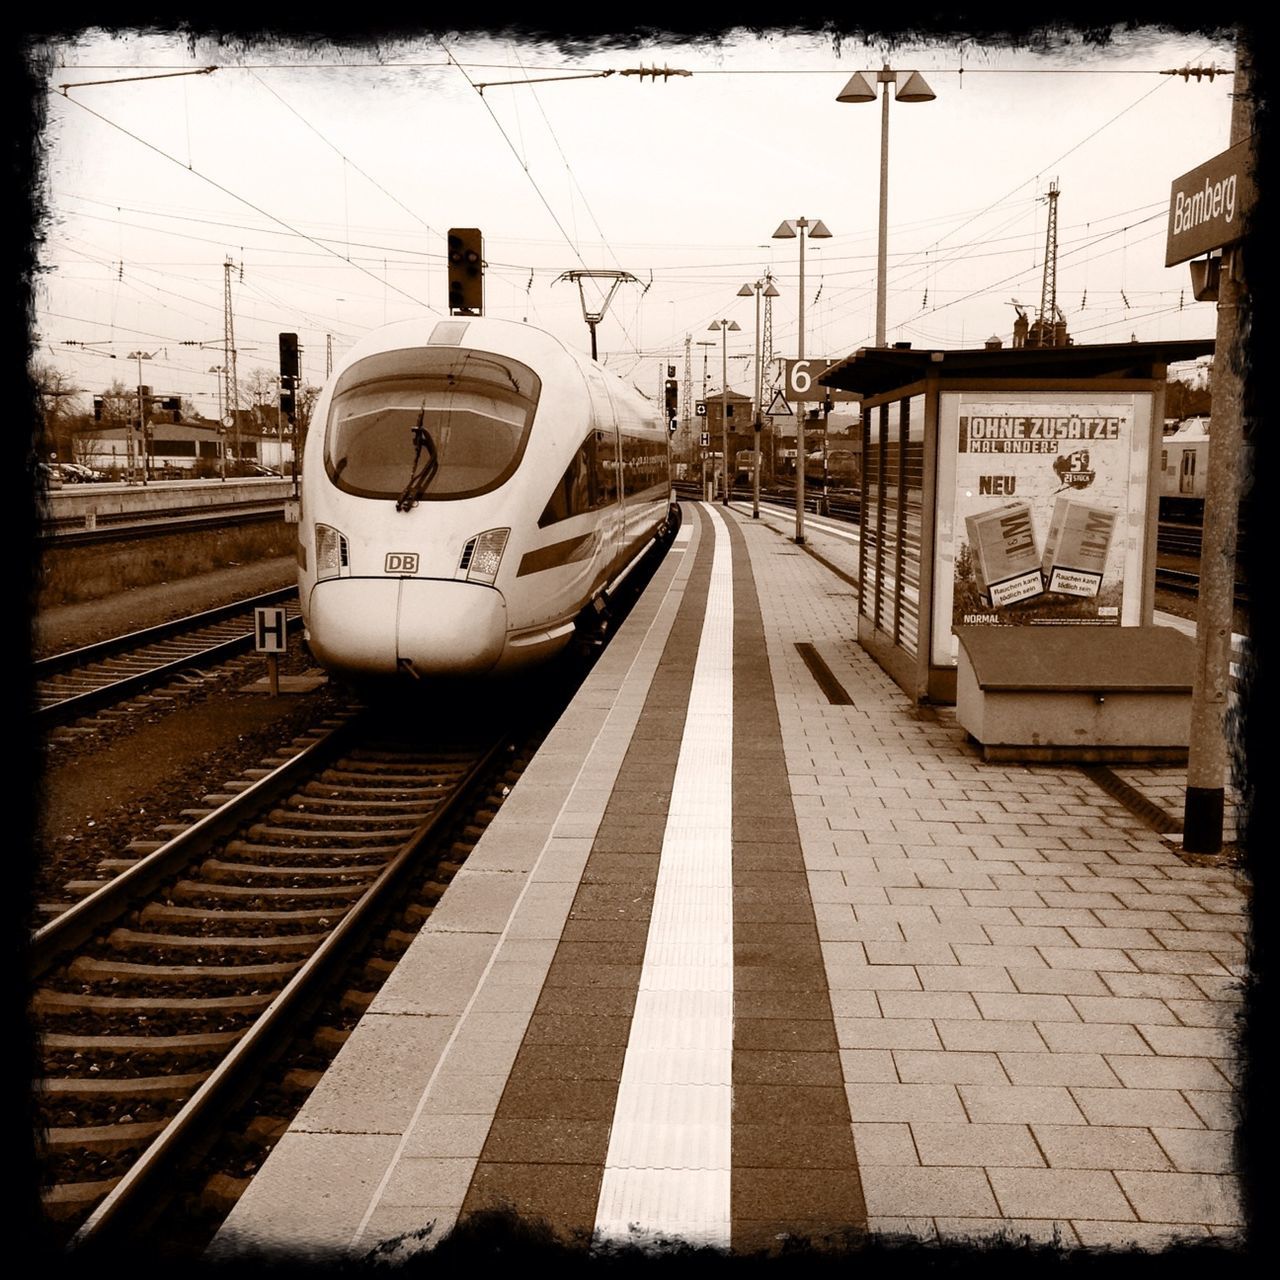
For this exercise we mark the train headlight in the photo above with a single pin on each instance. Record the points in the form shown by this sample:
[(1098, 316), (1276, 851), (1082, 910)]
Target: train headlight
[(483, 554), (332, 556)]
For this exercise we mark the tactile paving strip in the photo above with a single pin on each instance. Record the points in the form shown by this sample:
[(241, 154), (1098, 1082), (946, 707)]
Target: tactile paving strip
[(669, 1150)]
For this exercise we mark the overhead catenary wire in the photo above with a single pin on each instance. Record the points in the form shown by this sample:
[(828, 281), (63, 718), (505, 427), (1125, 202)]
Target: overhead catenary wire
[(844, 278), (234, 195)]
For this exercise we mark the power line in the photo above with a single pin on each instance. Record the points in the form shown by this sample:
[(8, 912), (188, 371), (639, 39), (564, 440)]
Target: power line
[(227, 191)]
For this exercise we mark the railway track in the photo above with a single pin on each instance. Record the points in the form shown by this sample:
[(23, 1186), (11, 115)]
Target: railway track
[(1184, 583), (162, 995), (842, 506), (81, 682), (111, 526), (185, 1007)]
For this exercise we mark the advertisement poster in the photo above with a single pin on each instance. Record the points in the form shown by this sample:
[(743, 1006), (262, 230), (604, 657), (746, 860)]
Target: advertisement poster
[(1049, 496)]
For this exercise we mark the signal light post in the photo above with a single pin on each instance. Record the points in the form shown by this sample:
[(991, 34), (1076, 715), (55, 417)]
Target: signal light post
[(466, 271), (290, 368)]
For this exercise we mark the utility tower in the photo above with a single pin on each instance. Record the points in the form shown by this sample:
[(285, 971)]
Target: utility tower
[(1050, 327), (231, 395), (686, 400), (706, 376), (768, 375), (328, 354)]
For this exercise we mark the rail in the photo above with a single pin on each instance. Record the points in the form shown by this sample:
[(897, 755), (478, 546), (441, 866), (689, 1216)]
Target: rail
[(81, 681)]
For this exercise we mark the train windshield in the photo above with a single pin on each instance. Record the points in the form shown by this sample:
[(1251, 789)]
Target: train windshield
[(475, 406)]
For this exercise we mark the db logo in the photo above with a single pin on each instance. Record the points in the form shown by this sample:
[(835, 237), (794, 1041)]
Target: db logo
[(402, 562)]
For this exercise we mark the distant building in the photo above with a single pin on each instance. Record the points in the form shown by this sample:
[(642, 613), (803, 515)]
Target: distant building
[(735, 404), (171, 447), (178, 449)]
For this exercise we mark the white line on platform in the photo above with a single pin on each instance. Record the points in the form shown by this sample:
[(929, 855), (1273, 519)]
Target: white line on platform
[(667, 1170)]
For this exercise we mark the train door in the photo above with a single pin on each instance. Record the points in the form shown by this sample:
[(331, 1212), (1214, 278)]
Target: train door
[(1187, 474)]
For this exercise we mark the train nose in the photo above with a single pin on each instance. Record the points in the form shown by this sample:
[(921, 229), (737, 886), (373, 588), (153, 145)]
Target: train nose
[(377, 626)]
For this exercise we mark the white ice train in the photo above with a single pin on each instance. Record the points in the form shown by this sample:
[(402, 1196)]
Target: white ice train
[(472, 489)]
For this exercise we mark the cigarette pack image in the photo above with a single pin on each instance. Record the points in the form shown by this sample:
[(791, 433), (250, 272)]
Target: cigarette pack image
[(1075, 553), (1006, 562)]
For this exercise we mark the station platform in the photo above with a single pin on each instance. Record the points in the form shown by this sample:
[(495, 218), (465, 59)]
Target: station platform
[(758, 953)]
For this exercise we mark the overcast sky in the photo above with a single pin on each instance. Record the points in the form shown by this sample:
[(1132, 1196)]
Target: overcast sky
[(328, 175)]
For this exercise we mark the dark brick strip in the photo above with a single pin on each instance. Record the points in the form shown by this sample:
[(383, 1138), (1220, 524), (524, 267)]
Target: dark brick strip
[(795, 1172), (1157, 818), (547, 1146), (836, 693)]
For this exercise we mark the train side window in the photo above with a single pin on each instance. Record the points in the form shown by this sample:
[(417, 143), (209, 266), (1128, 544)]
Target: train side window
[(579, 489), (603, 460), (643, 467)]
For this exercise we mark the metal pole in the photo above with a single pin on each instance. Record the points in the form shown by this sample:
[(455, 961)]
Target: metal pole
[(708, 486), (142, 428), (826, 426), (724, 403), (882, 256), (1207, 760), (130, 433), (801, 223), (755, 476)]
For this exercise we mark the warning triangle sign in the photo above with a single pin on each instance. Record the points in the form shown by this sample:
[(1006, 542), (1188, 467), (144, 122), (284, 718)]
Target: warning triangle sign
[(777, 406)]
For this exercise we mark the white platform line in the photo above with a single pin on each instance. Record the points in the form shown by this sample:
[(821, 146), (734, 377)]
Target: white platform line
[(667, 1170)]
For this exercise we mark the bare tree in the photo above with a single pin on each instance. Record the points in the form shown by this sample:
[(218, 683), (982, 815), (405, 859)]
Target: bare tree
[(261, 386), (305, 399), (119, 404), (54, 389)]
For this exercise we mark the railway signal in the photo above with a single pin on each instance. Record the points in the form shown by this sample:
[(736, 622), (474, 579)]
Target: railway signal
[(466, 271), (289, 370)]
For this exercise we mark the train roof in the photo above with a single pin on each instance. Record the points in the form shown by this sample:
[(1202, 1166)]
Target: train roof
[(523, 342)]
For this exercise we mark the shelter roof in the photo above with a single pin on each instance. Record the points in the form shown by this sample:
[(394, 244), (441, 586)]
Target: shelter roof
[(873, 371)]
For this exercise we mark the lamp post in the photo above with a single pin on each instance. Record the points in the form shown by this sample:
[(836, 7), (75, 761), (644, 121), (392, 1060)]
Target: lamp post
[(724, 326), (912, 89), (769, 292), (789, 230), (140, 356), (218, 369)]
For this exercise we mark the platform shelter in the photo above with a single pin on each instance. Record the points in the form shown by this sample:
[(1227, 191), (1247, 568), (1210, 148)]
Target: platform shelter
[(1011, 488)]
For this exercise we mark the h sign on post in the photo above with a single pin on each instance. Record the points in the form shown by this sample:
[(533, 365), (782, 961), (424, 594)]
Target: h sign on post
[(269, 632)]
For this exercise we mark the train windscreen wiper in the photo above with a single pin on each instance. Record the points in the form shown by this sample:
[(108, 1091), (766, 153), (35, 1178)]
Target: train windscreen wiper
[(419, 477)]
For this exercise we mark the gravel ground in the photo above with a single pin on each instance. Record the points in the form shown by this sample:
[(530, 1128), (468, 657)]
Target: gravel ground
[(93, 796)]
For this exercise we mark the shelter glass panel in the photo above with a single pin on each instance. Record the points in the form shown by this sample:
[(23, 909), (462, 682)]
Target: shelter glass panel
[(911, 489), (868, 558)]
